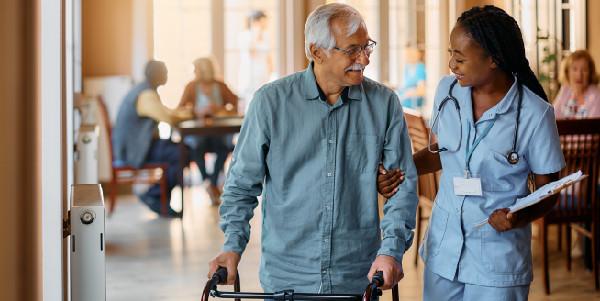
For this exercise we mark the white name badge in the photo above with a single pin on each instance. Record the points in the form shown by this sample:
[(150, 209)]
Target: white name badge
[(469, 186)]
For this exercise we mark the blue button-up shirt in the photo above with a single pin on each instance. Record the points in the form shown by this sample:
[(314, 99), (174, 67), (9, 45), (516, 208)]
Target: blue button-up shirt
[(483, 256), (321, 227)]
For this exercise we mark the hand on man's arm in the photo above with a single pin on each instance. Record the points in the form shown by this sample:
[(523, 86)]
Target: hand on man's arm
[(387, 182)]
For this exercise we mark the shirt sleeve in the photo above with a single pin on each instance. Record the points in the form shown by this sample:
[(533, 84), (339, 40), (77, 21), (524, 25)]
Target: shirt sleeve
[(228, 96), (544, 151), (188, 97), (244, 178), (399, 210), (149, 105), (559, 102)]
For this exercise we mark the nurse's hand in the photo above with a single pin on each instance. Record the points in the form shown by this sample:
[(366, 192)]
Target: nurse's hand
[(387, 182), (391, 268), (502, 221)]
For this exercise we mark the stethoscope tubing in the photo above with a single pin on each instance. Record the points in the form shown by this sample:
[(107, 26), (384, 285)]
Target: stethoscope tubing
[(512, 156)]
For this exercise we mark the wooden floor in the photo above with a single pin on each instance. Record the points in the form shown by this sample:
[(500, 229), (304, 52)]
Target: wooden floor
[(151, 258)]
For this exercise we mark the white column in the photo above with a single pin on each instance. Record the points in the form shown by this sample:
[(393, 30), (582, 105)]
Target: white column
[(51, 141), (436, 40)]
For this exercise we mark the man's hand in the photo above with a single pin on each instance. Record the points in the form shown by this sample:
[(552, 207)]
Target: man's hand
[(391, 268), (228, 259), (387, 182), (502, 221)]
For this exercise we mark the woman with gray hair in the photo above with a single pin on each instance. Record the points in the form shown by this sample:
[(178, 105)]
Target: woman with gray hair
[(208, 96)]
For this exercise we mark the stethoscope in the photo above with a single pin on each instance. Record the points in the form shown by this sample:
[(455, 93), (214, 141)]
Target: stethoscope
[(511, 156)]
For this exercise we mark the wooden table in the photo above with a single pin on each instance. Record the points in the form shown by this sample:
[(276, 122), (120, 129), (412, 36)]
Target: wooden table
[(214, 127)]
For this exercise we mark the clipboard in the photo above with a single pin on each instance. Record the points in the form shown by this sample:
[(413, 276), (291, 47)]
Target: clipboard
[(527, 201)]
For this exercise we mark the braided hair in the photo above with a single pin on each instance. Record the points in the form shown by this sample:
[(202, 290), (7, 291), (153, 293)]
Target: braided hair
[(500, 36)]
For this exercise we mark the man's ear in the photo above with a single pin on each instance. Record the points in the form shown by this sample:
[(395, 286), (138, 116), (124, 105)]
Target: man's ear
[(317, 53)]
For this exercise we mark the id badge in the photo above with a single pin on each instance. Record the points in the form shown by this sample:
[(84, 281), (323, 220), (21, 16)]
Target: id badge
[(467, 186)]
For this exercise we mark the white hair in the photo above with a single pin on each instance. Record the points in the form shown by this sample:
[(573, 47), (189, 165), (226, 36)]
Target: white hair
[(317, 29)]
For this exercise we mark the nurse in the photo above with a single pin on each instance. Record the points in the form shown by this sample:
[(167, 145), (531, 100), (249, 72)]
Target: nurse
[(504, 129)]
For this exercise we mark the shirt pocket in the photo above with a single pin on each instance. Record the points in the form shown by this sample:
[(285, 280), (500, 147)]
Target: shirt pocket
[(434, 235), (363, 152), (497, 174), (507, 252)]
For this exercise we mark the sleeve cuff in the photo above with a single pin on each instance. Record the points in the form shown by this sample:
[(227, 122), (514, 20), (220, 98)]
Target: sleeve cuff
[(393, 247), (234, 242)]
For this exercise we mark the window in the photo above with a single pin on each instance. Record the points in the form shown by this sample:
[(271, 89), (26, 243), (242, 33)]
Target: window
[(182, 33), (251, 54), (551, 30)]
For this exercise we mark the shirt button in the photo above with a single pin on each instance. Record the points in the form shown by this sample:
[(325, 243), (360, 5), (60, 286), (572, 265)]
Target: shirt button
[(330, 141), (327, 208), (456, 209), (324, 272), (326, 240), (329, 174), (232, 159)]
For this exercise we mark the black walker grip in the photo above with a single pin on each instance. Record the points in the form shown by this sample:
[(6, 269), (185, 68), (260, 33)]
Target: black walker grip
[(220, 275), (378, 278)]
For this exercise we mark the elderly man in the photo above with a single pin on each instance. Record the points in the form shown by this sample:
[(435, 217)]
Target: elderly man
[(135, 135), (316, 138)]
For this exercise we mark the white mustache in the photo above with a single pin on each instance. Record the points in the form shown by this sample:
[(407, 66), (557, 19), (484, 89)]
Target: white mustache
[(355, 67)]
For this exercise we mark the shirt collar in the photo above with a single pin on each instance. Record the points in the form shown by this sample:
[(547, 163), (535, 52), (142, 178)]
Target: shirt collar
[(311, 90), (510, 97)]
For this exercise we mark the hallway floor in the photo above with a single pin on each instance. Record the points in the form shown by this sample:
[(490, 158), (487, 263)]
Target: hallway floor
[(151, 258)]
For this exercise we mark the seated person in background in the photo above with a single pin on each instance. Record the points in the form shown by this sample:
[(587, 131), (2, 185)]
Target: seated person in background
[(413, 92), (579, 96), (135, 135), (209, 97)]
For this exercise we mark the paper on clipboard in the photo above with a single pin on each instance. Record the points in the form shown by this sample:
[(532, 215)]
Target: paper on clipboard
[(542, 193)]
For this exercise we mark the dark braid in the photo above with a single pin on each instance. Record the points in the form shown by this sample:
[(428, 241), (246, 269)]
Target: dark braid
[(500, 36)]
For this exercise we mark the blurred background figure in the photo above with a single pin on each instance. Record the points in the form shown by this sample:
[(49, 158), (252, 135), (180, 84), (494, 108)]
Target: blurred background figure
[(579, 96), (256, 63), (135, 135), (414, 89), (209, 97)]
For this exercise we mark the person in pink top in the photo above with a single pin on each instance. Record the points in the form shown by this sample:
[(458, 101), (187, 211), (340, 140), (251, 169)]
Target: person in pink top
[(579, 96)]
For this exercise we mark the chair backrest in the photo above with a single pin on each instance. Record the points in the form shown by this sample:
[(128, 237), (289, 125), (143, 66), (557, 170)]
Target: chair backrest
[(427, 185), (580, 143), (107, 127), (417, 131)]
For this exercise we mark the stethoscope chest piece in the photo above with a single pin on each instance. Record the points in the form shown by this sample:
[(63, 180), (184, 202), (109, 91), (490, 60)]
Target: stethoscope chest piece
[(512, 157)]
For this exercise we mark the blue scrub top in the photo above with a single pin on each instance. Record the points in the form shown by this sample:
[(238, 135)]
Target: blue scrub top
[(483, 256)]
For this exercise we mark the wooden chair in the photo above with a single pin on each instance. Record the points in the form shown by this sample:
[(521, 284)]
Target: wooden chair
[(127, 175), (580, 142), (427, 185)]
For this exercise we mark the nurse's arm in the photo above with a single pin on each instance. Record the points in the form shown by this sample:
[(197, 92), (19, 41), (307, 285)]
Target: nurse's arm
[(425, 162), (501, 220)]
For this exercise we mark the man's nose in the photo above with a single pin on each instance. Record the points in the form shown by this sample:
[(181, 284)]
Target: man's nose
[(362, 58)]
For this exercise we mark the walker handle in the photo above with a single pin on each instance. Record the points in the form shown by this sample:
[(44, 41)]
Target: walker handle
[(378, 278), (220, 275)]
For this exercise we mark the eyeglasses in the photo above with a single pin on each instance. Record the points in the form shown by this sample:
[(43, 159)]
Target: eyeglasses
[(354, 53)]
